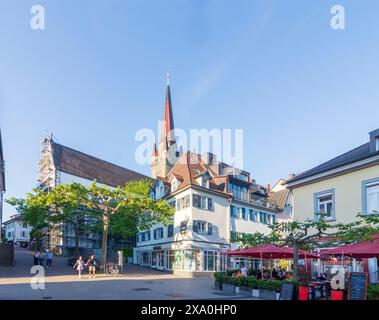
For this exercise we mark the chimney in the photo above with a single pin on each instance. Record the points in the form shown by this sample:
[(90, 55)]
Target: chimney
[(374, 141), (268, 187), (291, 176)]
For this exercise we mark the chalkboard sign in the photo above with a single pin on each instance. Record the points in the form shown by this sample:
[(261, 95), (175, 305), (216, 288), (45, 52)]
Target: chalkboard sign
[(357, 289), (287, 291)]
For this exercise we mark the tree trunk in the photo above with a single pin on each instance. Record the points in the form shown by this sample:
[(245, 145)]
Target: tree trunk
[(104, 241), (295, 260), (76, 231)]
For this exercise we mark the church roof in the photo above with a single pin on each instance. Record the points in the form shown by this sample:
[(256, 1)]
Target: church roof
[(88, 167), (168, 134)]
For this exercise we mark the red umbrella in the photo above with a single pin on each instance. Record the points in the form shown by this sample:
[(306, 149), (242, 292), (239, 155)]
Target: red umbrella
[(368, 249), (270, 251)]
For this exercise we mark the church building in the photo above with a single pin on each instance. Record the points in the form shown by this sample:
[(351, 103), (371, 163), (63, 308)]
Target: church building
[(214, 204)]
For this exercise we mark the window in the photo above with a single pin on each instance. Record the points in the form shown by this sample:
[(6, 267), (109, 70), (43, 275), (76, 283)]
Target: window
[(201, 202), (324, 203), (170, 230), (23, 234), (144, 236), (210, 204), (158, 233), (251, 215), (239, 192), (243, 214), (172, 204), (377, 143), (202, 227), (233, 212), (370, 196), (174, 185), (183, 203)]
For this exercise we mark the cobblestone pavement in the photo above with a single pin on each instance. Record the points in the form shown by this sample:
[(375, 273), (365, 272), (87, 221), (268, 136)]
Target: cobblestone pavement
[(137, 283)]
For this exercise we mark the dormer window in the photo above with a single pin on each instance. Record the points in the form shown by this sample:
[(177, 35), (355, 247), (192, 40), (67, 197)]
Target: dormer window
[(174, 185), (377, 143)]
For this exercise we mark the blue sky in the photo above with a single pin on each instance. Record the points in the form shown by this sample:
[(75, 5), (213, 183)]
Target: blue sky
[(302, 92)]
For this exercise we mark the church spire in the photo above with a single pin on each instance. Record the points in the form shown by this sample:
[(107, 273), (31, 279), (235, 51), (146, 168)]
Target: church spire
[(168, 119)]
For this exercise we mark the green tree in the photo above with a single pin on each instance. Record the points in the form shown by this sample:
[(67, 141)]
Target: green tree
[(66, 204), (34, 211), (310, 234), (125, 210)]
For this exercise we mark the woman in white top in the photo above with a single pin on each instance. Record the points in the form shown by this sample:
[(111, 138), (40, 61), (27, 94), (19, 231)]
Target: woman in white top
[(79, 266)]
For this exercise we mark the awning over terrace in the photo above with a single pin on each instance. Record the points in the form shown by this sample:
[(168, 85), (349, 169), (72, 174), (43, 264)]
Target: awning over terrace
[(270, 251), (368, 249)]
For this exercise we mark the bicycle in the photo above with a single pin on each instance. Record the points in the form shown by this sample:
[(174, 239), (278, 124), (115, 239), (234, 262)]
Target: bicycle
[(113, 269)]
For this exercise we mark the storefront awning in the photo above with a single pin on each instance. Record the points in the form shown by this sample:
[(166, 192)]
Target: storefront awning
[(271, 251), (368, 249)]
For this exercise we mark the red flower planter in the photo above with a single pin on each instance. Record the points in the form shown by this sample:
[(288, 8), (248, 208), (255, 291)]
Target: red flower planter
[(303, 293), (337, 295)]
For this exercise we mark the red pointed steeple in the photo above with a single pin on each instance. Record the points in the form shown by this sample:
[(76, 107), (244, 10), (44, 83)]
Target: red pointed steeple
[(155, 151), (168, 119)]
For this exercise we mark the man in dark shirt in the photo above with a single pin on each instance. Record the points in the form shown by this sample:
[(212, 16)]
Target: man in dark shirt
[(91, 263)]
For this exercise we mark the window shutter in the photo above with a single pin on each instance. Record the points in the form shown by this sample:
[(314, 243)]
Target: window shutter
[(210, 228), (194, 226), (194, 200), (210, 204), (155, 234)]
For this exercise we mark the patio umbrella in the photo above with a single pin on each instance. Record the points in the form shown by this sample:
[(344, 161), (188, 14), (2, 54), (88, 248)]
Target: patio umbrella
[(368, 249), (270, 251)]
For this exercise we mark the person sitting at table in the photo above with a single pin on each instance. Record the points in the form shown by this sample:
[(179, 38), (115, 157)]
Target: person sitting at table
[(258, 275), (274, 273), (282, 273), (244, 270)]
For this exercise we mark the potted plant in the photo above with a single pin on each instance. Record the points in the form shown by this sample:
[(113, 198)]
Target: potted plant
[(229, 284), (303, 288), (244, 286), (219, 276), (269, 289), (303, 285), (254, 285)]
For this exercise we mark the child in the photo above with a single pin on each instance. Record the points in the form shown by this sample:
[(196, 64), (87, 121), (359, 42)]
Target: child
[(79, 266)]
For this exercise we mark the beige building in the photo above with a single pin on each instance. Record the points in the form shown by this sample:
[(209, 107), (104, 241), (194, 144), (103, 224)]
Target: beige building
[(341, 188)]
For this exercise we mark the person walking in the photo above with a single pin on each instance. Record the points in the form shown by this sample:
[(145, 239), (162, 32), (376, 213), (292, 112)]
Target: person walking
[(41, 259), (79, 264), (91, 263), (35, 258), (49, 258)]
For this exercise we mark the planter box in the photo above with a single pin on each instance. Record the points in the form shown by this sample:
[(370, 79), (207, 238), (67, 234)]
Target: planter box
[(255, 293), (228, 287), (246, 291), (218, 285), (267, 294)]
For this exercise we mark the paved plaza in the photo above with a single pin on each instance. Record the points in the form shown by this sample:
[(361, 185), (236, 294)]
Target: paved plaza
[(137, 283)]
